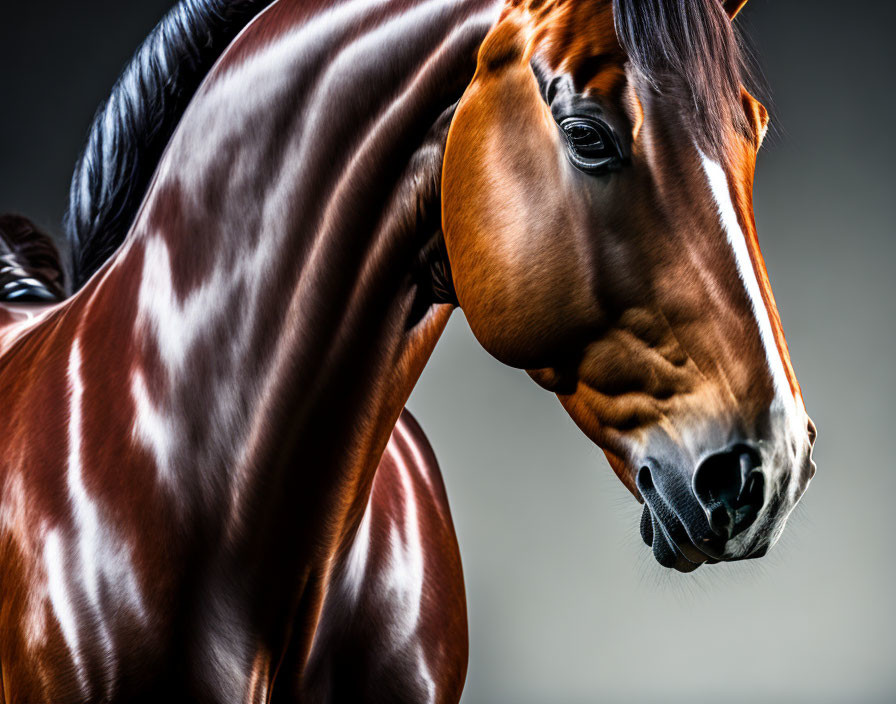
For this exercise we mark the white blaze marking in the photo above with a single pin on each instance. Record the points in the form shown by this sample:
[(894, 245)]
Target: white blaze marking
[(788, 448), (718, 183)]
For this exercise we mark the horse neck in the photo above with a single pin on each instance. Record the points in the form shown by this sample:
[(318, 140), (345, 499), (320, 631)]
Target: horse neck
[(278, 326)]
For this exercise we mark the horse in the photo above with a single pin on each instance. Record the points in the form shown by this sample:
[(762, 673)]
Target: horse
[(194, 439)]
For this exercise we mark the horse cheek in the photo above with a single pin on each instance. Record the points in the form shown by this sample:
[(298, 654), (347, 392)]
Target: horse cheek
[(510, 222)]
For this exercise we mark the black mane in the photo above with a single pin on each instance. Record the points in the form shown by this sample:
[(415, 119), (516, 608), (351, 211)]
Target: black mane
[(688, 49), (130, 131)]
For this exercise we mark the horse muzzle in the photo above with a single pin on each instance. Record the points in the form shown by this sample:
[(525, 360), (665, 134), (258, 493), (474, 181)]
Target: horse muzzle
[(689, 522)]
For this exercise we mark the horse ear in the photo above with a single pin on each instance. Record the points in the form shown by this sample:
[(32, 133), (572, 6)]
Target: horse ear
[(757, 115), (732, 7)]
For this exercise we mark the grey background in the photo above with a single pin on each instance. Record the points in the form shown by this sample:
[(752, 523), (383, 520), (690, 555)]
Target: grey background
[(566, 605)]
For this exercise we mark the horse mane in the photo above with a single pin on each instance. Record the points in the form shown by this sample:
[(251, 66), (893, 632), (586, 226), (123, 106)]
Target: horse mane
[(687, 49), (27, 251), (132, 128)]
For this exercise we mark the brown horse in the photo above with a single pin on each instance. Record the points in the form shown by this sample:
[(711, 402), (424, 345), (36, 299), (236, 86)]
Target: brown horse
[(191, 506)]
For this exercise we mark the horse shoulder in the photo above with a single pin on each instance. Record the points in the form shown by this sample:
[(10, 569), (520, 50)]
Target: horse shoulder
[(393, 626)]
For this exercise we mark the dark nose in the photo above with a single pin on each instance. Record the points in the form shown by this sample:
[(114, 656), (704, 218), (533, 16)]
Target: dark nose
[(730, 486)]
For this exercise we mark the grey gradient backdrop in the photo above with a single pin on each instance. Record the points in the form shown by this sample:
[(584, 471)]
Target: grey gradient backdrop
[(565, 604)]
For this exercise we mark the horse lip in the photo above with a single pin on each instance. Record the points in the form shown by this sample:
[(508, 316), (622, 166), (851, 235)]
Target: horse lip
[(685, 561), (696, 548), (689, 556), (670, 554), (711, 554)]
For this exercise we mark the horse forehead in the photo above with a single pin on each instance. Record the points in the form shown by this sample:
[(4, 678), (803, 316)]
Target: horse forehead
[(576, 38)]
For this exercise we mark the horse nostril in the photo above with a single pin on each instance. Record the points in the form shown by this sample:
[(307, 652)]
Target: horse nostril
[(731, 488)]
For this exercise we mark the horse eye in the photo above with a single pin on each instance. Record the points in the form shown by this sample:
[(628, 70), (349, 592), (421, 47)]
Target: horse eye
[(591, 145)]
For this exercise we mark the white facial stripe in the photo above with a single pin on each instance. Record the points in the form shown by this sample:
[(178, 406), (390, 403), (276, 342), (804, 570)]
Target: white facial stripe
[(782, 454), (718, 183)]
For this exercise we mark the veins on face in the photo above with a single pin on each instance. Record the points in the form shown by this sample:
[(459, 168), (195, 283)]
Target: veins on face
[(636, 366)]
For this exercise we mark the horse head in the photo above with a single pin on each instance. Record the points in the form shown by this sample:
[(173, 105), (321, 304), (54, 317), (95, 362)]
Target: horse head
[(598, 220)]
